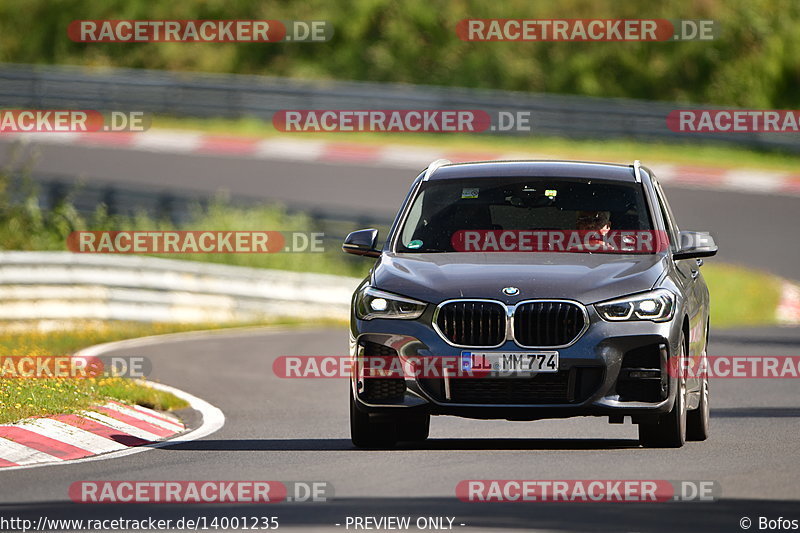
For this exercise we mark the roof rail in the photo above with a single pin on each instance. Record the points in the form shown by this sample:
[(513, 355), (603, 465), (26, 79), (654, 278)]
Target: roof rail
[(637, 172), (434, 166)]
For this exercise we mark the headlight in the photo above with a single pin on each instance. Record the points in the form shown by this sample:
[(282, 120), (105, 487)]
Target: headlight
[(657, 305), (373, 303)]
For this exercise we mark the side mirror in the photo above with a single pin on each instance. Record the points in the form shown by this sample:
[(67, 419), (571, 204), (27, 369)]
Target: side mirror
[(695, 244), (362, 242)]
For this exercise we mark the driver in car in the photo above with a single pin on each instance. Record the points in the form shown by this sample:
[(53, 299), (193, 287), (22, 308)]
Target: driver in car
[(595, 221)]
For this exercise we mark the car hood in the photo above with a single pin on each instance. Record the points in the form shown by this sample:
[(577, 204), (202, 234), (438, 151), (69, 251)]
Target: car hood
[(585, 277)]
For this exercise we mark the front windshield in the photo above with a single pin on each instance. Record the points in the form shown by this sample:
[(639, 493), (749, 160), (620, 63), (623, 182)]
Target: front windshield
[(527, 214)]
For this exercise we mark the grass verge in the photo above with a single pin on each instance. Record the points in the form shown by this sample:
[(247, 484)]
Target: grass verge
[(26, 398), (741, 296)]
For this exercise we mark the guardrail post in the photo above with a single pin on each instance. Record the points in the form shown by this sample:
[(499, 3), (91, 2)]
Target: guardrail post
[(56, 193), (165, 208), (109, 198)]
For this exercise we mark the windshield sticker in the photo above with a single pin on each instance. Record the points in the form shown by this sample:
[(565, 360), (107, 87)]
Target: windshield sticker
[(414, 244), (470, 193), (551, 193)]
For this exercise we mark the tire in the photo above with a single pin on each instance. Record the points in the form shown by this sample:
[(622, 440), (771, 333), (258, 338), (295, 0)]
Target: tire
[(366, 433), (670, 430), (697, 420), (414, 428)]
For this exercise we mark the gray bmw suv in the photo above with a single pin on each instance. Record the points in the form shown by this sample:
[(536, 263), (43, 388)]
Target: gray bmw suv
[(525, 290)]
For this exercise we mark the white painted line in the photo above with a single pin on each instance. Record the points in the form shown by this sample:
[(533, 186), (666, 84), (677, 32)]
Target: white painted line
[(64, 137), (22, 455), (120, 426), (213, 417), (408, 157), (80, 438), (666, 173), (754, 181), (289, 149), (144, 417), (167, 141), (788, 311)]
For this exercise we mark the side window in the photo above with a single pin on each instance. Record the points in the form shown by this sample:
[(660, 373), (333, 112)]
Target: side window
[(669, 220), (664, 200), (413, 221)]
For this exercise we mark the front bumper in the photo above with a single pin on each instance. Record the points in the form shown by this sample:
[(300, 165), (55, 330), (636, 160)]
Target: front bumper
[(599, 375)]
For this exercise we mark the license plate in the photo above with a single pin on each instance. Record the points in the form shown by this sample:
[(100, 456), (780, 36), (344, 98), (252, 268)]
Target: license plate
[(510, 361)]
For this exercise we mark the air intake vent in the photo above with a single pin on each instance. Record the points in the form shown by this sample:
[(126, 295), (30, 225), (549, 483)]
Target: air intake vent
[(540, 389)]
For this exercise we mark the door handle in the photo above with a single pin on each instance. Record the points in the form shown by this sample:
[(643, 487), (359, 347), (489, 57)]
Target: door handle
[(695, 273), (699, 262)]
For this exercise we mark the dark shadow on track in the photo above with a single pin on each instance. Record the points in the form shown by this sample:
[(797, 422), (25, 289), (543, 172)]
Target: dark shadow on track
[(755, 412), (320, 445)]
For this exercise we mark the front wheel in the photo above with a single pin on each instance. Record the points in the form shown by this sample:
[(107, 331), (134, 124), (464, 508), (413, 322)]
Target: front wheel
[(414, 428), (697, 421), (670, 430)]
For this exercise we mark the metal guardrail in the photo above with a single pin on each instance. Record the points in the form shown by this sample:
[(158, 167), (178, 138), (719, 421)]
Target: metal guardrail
[(209, 95), (67, 286)]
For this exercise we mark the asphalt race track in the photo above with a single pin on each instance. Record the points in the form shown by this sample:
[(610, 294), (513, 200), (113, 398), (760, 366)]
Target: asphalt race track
[(297, 430)]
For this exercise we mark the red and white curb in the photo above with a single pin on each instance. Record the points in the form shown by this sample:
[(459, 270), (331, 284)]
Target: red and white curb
[(110, 431), (106, 428), (382, 155)]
